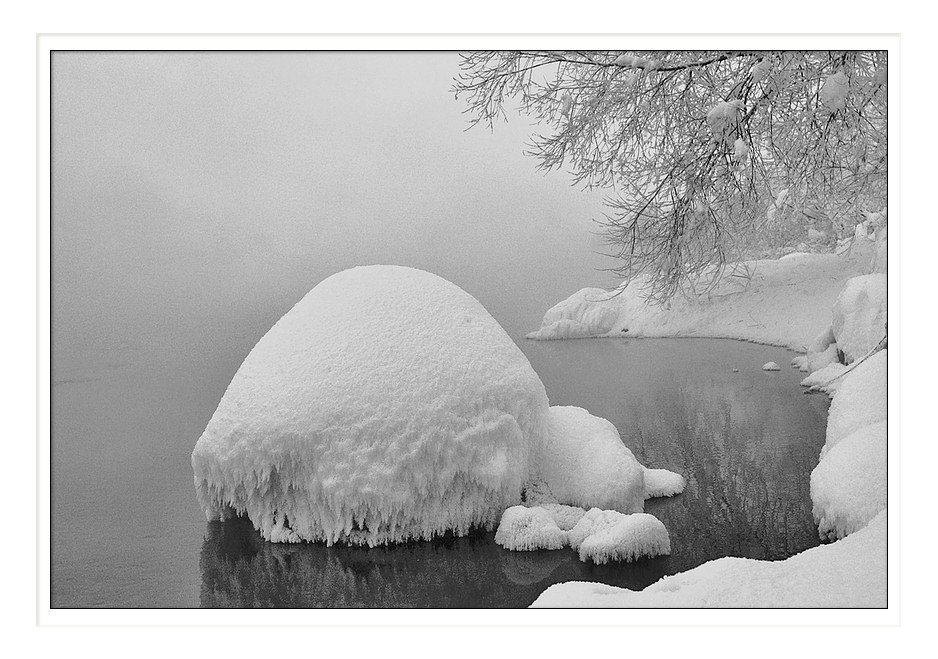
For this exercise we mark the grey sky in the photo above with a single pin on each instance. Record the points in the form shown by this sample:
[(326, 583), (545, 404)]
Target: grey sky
[(188, 183)]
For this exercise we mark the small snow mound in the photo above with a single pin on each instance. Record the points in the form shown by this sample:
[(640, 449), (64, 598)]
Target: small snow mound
[(848, 487), (860, 315), (566, 517), (387, 405), (662, 483), (771, 366), (606, 535), (529, 529), (584, 463), (800, 362)]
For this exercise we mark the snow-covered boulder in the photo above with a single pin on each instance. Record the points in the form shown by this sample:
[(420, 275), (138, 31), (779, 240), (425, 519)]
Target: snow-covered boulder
[(584, 463), (387, 405), (662, 483), (771, 366), (860, 315), (528, 529), (607, 535), (860, 400), (848, 487), (826, 379)]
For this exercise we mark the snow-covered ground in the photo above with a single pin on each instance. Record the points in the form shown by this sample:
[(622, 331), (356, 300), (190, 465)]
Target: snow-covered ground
[(787, 302), (833, 308)]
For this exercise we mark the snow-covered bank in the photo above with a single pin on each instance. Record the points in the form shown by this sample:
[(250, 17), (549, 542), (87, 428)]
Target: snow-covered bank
[(788, 302), (834, 308), (848, 573), (388, 405)]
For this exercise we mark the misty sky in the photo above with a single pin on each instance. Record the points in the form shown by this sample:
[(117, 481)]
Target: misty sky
[(189, 184)]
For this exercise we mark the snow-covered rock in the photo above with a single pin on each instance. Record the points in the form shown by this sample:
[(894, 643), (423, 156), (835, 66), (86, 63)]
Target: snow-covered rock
[(848, 487), (584, 463), (846, 574), (565, 517), (771, 366), (859, 321), (387, 405), (528, 529), (585, 313), (607, 535), (860, 400)]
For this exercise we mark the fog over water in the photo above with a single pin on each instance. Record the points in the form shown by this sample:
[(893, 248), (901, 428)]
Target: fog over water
[(204, 185)]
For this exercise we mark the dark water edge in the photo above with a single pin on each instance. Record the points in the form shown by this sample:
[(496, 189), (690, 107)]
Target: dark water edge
[(127, 531)]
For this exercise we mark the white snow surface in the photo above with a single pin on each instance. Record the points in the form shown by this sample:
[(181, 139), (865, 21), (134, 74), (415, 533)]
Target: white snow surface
[(860, 315), (662, 483), (848, 487), (860, 400), (607, 535), (387, 405), (848, 573), (826, 379), (529, 529), (787, 303), (584, 463)]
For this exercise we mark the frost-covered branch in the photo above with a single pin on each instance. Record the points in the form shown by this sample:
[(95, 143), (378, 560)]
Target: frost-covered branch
[(709, 157)]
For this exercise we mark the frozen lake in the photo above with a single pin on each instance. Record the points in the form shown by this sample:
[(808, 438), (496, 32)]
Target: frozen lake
[(127, 531)]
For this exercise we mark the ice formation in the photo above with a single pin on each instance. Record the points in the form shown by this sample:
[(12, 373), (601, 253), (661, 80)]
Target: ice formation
[(386, 405), (528, 529), (584, 463), (860, 315), (848, 487), (606, 535), (849, 573)]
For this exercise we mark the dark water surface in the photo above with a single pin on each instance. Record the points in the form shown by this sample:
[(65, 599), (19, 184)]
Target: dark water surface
[(127, 532)]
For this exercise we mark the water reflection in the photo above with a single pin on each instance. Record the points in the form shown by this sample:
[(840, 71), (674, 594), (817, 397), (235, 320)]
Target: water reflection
[(240, 569), (745, 441)]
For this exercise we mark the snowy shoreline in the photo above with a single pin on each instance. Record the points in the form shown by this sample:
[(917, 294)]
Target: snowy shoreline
[(806, 303)]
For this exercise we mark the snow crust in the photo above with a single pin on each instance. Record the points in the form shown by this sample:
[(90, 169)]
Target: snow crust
[(607, 535), (859, 312), (787, 303), (848, 573), (584, 463), (528, 529), (387, 405)]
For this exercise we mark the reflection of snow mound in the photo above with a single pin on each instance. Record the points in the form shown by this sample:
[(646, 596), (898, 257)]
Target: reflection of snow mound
[(607, 535), (527, 529), (386, 405)]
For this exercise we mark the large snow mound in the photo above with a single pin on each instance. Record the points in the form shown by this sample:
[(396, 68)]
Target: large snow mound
[(527, 529), (387, 405), (848, 573), (607, 535), (859, 401), (584, 463), (859, 321), (848, 487), (786, 302)]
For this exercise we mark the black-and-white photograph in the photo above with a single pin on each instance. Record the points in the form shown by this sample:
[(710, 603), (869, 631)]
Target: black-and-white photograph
[(473, 329)]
